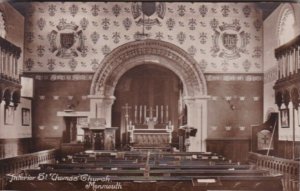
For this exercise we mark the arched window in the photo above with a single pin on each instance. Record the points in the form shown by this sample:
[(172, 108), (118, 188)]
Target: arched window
[(286, 25)]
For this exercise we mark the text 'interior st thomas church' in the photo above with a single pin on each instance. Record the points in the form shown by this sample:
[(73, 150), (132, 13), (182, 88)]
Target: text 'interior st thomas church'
[(173, 96)]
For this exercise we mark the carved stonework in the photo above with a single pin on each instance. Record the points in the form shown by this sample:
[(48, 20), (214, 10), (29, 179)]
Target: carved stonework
[(67, 41), (229, 41), (132, 54), (61, 77)]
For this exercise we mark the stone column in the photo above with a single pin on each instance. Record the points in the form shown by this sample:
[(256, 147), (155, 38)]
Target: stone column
[(197, 118), (100, 107)]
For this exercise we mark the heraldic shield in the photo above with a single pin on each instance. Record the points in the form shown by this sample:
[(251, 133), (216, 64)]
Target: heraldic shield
[(67, 40), (230, 41), (148, 8)]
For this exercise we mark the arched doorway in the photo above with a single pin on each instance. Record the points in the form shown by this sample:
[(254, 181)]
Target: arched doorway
[(160, 53)]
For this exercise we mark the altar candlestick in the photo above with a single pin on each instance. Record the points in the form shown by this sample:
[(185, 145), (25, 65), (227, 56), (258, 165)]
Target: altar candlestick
[(162, 113), (145, 112), (151, 112), (141, 110), (167, 114), (96, 110), (135, 114), (156, 111)]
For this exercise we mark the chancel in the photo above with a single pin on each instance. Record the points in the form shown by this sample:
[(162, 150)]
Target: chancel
[(149, 95)]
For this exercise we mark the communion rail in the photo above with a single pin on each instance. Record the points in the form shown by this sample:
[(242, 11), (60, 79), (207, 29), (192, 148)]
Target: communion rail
[(288, 168)]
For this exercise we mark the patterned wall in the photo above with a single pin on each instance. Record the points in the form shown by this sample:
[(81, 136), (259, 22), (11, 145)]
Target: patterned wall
[(75, 37)]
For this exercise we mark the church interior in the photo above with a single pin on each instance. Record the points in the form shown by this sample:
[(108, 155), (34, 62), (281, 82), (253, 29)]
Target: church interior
[(174, 96)]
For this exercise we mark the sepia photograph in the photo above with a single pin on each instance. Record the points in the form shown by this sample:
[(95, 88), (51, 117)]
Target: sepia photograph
[(150, 95)]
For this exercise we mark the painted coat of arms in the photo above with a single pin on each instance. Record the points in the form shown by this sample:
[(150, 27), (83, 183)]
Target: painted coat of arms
[(67, 41), (229, 41), (148, 14)]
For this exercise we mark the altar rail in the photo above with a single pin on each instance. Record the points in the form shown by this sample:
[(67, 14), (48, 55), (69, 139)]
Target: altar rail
[(16, 164), (288, 168)]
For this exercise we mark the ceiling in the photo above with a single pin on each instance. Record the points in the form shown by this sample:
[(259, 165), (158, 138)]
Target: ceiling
[(266, 6)]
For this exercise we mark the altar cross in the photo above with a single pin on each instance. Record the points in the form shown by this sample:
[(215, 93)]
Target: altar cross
[(265, 138)]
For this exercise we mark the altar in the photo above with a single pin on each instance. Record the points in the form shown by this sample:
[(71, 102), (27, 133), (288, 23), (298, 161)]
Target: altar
[(150, 127)]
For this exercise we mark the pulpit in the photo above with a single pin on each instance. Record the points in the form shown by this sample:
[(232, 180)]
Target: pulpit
[(87, 138), (98, 136)]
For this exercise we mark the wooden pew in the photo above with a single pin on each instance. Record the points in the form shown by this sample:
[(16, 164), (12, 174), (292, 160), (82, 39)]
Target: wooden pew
[(141, 165), (151, 172), (160, 183)]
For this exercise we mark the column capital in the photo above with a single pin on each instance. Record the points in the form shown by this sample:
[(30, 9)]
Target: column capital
[(196, 99), (202, 97)]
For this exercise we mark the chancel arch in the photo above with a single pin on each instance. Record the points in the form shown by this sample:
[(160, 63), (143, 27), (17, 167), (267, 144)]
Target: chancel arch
[(158, 53)]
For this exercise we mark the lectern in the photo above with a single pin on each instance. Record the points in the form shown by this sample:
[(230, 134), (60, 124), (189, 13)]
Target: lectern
[(184, 134)]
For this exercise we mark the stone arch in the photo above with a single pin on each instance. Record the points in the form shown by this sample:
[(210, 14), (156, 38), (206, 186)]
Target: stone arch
[(161, 53), (157, 52), (286, 9)]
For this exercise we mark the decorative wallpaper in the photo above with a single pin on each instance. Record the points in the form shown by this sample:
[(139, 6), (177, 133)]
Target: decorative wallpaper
[(75, 37)]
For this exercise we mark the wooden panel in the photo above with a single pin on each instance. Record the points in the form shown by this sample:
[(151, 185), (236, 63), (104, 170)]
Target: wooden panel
[(237, 112), (71, 148), (233, 149), (285, 149)]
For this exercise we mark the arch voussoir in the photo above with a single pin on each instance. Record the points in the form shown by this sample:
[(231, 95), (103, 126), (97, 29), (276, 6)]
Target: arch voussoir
[(174, 58)]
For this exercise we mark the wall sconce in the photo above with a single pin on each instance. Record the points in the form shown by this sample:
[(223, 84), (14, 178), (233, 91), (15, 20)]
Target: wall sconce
[(231, 102), (41, 127), (228, 128), (55, 127), (70, 97), (231, 105)]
